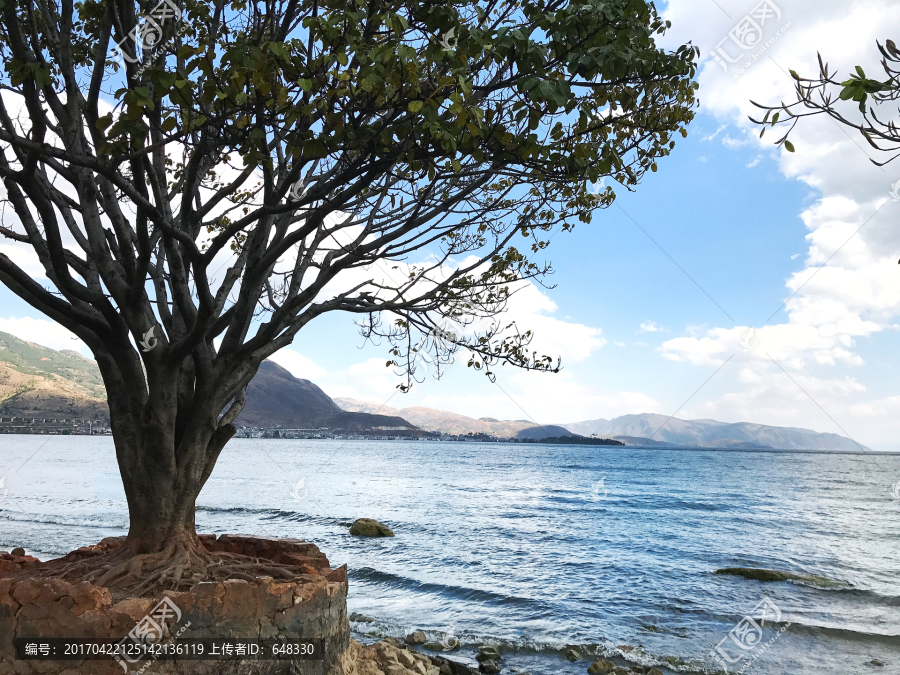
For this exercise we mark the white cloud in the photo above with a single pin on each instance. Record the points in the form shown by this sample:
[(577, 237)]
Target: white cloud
[(43, 332), (25, 257), (545, 398), (573, 342), (847, 290), (297, 364), (651, 327)]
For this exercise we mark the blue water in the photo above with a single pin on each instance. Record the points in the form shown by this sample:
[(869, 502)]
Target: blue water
[(534, 547)]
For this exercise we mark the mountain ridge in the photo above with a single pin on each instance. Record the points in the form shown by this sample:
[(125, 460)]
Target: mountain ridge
[(644, 429), (37, 381), (713, 433)]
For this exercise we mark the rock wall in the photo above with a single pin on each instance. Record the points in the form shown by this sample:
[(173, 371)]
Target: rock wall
[(312, 606)]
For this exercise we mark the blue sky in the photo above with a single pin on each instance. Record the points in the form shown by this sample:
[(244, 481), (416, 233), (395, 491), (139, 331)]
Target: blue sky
[(746, 221)]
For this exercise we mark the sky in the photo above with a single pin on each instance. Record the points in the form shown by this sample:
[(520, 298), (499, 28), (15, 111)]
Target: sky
[(740, 282)]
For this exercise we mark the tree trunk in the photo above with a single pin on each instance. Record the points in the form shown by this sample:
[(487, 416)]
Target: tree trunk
[(162, 476), (160, 510)]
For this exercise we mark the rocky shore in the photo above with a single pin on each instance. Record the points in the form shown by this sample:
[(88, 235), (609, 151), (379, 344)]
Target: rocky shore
[(313, 605)]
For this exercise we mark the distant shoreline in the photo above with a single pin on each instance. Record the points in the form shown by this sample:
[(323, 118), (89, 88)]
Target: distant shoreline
[(519, 441)]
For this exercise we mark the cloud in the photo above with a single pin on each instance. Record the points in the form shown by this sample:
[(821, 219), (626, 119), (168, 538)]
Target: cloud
[(545, 398), (847, 290), (25, 257), (298, 365), (43, 332), (651, 327), (573, 342)]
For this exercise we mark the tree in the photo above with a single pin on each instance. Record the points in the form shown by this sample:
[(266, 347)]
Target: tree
[(305, 147), (826, 93)]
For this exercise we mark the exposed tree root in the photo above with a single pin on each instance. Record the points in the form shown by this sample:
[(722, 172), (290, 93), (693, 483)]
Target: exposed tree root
[(177, 568)]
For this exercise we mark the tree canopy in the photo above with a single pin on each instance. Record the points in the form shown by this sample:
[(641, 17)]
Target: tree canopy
[(200, 180), (825, 94)]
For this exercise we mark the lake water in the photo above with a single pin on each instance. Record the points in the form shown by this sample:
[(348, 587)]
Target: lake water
[(533, 547)]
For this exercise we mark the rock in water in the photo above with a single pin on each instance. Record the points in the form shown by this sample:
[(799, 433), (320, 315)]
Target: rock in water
[(600, 666), (489, 667), (18, 551), (367, 527), (362, 618), (487, 654), (416, 638), (757, 574), (572, 655)]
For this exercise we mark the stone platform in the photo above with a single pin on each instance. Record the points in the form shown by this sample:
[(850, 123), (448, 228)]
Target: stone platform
[(314, 605)]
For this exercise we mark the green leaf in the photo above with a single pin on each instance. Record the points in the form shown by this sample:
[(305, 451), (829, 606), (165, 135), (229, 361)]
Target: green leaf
[(860, 71), (788, 146), (342, 59), (415, 106)]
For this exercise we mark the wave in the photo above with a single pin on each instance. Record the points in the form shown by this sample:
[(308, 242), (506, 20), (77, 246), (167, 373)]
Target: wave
[(99, 522), (843, 633), (275, 514), (868, 595), (456, 592)]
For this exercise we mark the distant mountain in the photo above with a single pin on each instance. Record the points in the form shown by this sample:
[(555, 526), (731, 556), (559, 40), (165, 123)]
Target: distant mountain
[(546, 431), (445, 422), (277, 398), (712, 433), (39, 382)]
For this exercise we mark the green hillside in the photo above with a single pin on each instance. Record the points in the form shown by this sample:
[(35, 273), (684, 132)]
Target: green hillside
[(31, 359)]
